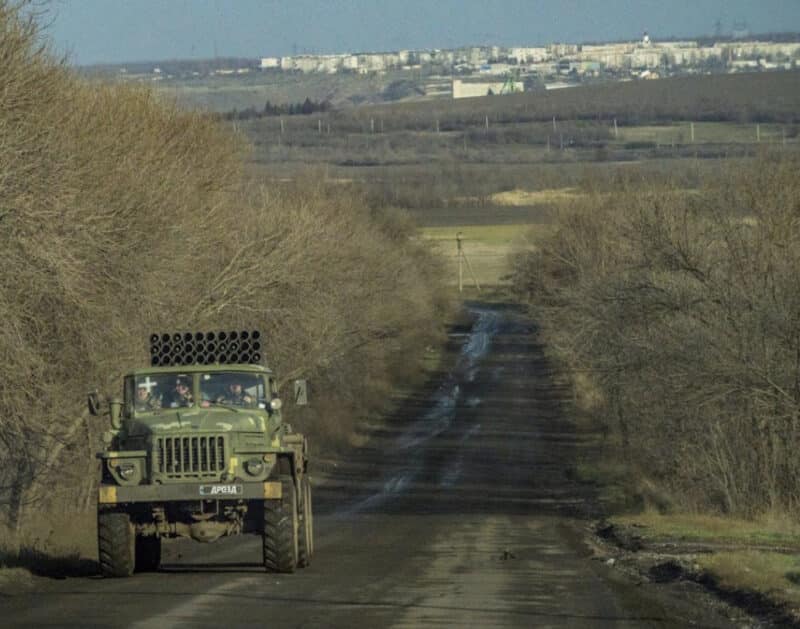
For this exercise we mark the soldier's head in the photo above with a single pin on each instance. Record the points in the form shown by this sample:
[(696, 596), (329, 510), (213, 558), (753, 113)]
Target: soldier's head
[(182, 386), (142, 393), (235, 388)]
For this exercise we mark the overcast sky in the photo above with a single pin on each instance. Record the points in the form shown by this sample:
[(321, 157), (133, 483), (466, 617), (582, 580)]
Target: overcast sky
[(97, 31)]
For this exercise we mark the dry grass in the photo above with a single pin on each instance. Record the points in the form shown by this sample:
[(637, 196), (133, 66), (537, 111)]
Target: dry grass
[(54, 544), (520, 197), (775, 575), (487, 247)]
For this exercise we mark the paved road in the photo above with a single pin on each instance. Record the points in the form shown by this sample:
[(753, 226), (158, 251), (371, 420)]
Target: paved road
[(460, 512)]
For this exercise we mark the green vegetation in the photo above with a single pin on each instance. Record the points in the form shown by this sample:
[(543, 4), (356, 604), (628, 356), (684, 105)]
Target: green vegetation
[(120, 215), (694, 527), (774, 575), (748, 555)]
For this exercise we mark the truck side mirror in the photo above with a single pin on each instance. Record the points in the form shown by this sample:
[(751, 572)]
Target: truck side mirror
[(115, 406), (301, 392), (94, 403)]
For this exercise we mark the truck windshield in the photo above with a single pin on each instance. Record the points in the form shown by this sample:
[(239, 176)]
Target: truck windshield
[(233, 389), (158, 391)]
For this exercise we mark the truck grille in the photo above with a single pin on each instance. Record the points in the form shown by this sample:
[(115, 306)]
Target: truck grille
[(190, 456)]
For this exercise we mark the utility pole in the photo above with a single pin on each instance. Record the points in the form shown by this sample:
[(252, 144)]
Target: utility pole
[(616, 130), (462, 258), (691, 128)]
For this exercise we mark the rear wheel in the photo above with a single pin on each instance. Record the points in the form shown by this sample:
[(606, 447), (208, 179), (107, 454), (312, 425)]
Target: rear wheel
[(116, 543), (148, 554), (305, 541), (279, 535)]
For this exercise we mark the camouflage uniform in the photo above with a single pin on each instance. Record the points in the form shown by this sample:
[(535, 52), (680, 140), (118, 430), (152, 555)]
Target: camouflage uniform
[(235, 399), (180, 400), (150, 403)]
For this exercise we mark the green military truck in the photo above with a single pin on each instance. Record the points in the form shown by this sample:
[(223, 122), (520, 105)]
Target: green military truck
[(198, 448)]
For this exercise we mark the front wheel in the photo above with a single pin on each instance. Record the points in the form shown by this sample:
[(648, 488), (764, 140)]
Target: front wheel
[(279, 535), (305, 541), (116, 543)]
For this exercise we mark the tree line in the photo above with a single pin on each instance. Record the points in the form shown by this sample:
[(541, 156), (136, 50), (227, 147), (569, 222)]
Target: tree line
[(676, 313), (304, 108)]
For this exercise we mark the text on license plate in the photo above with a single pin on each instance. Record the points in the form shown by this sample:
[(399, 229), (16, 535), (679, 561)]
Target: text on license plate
[(220, 490)]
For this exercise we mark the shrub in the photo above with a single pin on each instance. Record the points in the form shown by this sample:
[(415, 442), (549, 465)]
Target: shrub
[(683, 308)]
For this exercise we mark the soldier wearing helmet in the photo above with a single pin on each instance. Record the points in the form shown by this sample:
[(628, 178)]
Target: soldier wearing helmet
[(235, 395), (182, 395)]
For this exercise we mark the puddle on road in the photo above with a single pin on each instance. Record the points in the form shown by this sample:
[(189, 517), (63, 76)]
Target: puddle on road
[(441, 414)]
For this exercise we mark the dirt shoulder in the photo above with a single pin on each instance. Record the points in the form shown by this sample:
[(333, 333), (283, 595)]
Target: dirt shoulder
[(752, 566)]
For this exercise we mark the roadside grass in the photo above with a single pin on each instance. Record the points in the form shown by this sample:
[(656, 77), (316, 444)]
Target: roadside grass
[(776, 575), (55, 545), (772, 573), (767, 530)]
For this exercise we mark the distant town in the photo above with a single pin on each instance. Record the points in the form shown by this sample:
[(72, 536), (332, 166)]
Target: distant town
[(482, 70)]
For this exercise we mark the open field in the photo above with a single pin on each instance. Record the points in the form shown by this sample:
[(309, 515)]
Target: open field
[(709, 133), (486, 249), (504, 160)]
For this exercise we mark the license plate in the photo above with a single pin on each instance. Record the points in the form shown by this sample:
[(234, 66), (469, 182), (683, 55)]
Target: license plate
[(221, 490)]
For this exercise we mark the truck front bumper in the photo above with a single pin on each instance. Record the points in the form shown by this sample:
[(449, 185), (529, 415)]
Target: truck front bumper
[(173, 492)]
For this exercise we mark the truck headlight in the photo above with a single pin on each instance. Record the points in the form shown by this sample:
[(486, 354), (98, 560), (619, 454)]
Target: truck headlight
[(127, 470), (254, 467)]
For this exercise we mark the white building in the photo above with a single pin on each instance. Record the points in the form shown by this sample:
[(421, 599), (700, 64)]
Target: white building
[(463, 89)]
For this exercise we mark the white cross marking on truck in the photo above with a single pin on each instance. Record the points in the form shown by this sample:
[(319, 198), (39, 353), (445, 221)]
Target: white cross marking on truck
[(148, 384)]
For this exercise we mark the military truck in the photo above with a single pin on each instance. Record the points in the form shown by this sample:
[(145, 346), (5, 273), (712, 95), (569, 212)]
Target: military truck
[(198, 448)]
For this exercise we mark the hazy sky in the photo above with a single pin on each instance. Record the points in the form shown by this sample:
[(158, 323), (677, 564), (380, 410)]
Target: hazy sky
[(96, 31)]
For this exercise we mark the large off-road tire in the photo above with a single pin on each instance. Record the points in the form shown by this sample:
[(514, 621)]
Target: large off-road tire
[(148, 554), (116, 543), (305, 540), (279, 536)]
